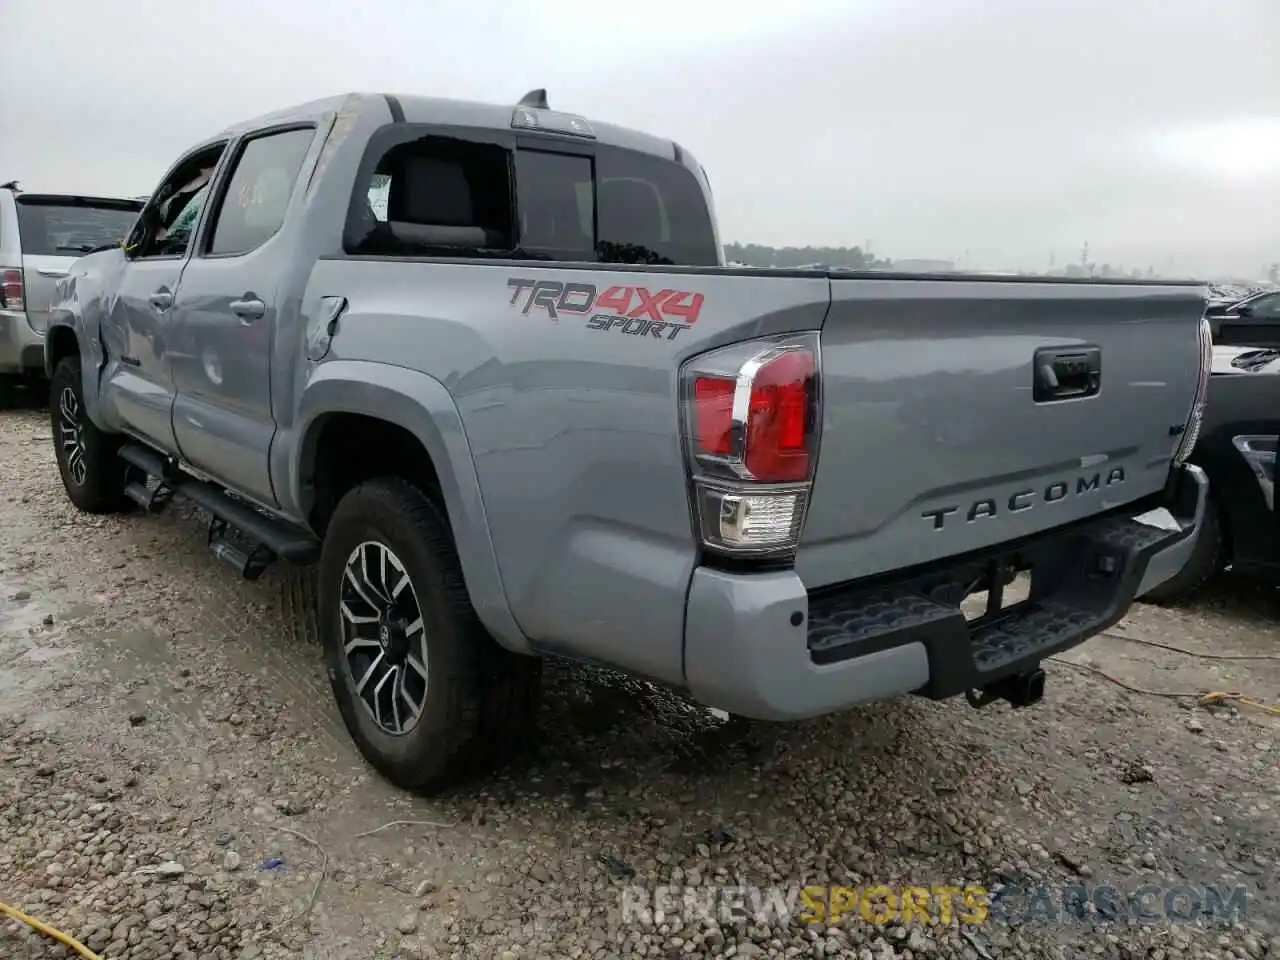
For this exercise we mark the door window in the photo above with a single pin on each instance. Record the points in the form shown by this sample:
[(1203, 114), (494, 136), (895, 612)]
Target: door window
[(255, 201), (165, 228)]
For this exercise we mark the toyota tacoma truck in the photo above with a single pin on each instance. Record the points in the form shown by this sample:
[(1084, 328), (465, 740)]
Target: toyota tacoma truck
[(485, 367)]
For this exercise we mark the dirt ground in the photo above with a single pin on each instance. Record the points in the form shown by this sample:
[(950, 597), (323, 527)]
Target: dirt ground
[(175, 782)]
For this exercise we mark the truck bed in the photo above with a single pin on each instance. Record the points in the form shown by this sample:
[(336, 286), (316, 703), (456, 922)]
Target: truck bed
[(570, 402)]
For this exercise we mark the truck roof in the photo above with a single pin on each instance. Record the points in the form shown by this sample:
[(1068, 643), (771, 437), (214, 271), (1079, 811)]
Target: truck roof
[(414, 108)]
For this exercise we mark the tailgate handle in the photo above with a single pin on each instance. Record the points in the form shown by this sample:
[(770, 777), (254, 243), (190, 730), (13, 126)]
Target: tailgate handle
[(1067, 373)]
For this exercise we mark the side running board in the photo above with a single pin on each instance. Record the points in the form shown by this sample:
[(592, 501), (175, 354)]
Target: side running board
[(272, 538)]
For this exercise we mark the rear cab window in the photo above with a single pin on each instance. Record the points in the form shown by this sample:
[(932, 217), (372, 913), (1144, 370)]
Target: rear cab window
[(618, 206), (437, 195), (57, 226)]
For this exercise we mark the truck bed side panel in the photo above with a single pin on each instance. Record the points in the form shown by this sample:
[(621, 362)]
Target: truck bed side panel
[(932, 441), (572, 423)]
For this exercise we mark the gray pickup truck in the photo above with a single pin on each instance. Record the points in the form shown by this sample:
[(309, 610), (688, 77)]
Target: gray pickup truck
[(485, 366)]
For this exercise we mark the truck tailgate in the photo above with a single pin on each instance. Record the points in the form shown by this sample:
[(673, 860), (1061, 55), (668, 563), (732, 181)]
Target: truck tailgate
[(936, 439)]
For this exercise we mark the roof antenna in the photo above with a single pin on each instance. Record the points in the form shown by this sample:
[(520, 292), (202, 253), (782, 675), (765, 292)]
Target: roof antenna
[(11, 185), (537, 99)]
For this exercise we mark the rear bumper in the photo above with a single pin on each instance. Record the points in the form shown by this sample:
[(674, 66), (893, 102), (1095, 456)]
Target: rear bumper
[(21, 348), (1191, 498), (760, 646)]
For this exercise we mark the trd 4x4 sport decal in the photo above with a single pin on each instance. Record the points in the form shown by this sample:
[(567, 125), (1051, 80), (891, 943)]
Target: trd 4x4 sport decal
[(629, 310)]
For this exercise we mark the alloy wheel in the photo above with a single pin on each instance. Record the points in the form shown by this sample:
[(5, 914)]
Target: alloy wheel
[(71, 436), (384, 637)]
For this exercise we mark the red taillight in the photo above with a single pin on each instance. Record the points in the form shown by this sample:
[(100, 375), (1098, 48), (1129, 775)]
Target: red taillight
[(11, 295), (775, 436), (713, 399), (751, 421), (777, 444)]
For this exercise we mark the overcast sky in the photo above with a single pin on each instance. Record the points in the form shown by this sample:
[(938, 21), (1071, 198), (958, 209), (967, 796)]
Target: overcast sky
[(1015, 130)]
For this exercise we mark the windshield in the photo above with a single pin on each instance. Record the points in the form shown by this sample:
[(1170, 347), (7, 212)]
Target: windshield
[(72, 226)]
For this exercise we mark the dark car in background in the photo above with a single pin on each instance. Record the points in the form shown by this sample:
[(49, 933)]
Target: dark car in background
[(1253, 321), (1237, 449)]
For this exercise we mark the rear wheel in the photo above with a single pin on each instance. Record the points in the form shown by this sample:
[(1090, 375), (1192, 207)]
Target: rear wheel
[(428, 696), (92, 473), (1209, 557)]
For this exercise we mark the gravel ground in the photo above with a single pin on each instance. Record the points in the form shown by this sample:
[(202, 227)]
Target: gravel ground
[(175, 782)]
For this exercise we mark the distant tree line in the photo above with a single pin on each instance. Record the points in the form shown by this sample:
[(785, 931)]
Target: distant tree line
[(759, 255), (1106, 271)]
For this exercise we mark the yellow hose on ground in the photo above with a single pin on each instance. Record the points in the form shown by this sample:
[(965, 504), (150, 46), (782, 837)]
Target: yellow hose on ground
[(49, 931), (1211, 698)]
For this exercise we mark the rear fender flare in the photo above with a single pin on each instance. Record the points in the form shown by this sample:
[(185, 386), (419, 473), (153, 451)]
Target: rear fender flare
[(421, 405)]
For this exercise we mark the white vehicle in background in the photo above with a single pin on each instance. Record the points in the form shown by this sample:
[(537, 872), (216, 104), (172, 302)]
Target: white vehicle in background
[(41, 235)]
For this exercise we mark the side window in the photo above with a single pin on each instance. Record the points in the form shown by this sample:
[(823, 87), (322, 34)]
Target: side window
[(557, 205), (435, 196), (256, 198), (164, 228)]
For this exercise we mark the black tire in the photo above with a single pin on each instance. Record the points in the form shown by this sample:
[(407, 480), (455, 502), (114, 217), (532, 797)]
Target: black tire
[(479, 698), (1208, 558), (99, 487), (8, 391)]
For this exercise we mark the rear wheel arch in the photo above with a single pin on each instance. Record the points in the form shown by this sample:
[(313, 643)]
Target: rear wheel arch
[(341, 449), (376, 420)]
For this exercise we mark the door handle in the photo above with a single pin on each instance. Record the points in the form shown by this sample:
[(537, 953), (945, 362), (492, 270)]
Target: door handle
[(161, 300), (250, 308)]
